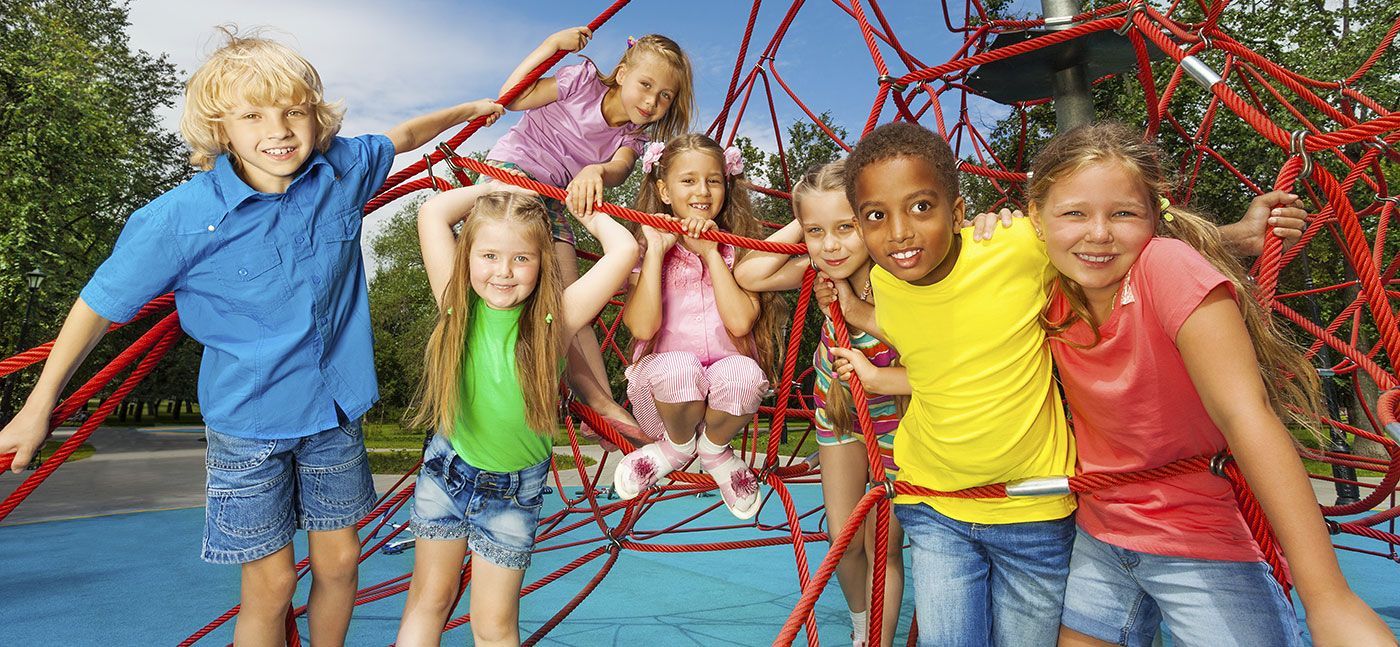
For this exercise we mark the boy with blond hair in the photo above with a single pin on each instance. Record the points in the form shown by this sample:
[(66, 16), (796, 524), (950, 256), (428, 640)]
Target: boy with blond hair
[(262, 251)]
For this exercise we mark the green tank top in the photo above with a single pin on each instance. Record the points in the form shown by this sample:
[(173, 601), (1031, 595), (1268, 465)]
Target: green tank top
[(491, 433)]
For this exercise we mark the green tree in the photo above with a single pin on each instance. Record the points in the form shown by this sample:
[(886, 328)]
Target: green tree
[(81, 147)]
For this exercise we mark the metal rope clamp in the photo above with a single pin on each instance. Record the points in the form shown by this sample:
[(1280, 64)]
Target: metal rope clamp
[(889, 488), (432, 179), (448, 158), (1133, 10), (1039, 486), (1297, 145), (1218, 462), (892, 81)]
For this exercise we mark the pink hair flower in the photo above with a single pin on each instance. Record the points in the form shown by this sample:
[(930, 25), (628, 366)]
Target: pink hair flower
[(651, 155), (733, 161)]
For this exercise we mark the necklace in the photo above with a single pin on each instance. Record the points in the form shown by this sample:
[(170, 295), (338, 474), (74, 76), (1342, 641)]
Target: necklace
[(865, 291)]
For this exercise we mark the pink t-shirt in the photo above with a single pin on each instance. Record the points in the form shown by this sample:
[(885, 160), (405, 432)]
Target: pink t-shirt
[(689, 316), (554, 141), (1133, 406)]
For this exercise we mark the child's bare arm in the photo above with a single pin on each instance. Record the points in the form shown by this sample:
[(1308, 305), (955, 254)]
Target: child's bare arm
[(436, 218), (642, 315), (26, 432), (587, 296), (1220, 359), (586, 189), (545, 90), (422, 129), (767, 272), (858, 313), (888, 380)]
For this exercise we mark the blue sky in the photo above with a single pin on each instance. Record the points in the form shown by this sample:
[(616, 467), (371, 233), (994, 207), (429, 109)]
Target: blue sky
[(391, 61)]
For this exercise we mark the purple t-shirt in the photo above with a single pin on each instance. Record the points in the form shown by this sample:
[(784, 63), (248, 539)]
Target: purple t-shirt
[(555, 141)]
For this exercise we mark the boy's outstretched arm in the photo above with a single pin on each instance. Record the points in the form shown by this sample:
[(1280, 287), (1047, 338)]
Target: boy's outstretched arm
[(545, 90), (422, 129), (26, 432)]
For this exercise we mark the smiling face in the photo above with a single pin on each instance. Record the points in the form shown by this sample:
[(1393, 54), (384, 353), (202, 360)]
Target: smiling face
[(646, 89), (270, 143), (907, 219), (831, 233), (1096, 223), (693, 185), (504, 267)]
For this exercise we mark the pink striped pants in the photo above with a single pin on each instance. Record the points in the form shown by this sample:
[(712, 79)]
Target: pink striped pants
[(734, 385)]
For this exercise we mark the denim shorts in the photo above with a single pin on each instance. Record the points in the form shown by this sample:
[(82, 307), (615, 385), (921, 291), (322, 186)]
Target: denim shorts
[(495, 512), (559, 227), (986, 584), (260, 491), (1120, 596)]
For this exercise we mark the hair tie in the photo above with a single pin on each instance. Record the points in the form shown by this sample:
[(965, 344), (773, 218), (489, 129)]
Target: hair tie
[(733, 161), (548, 318), (651, 155), (630, 42), (449, 312), (1163, 205)]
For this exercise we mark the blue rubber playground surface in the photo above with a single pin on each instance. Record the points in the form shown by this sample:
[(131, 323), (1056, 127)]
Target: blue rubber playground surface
[(136, 579)]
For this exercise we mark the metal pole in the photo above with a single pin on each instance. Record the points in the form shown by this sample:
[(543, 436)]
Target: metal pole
[(1073, 104), (1332, 398)]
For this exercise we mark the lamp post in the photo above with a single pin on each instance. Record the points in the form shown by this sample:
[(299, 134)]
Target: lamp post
[(33, 280)]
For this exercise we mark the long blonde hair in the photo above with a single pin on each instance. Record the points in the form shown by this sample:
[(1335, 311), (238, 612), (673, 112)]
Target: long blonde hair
[(260, 71), (536, 348), (1279, 358), (736, 217), (831, 176), (677, 119)]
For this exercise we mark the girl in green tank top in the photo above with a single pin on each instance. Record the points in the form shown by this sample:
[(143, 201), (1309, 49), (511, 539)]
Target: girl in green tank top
[(490, 387)]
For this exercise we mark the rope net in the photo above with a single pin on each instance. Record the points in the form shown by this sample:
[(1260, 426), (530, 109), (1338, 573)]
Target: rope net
[(1249, 88)]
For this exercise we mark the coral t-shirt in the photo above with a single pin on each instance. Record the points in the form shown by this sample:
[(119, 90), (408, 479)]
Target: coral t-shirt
[(1133, 406)]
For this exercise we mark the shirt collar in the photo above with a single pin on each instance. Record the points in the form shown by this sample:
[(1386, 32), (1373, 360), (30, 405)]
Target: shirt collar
[(235, 191)]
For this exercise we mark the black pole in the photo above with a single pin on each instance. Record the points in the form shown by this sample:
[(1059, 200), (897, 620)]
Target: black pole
[(1347, 493)]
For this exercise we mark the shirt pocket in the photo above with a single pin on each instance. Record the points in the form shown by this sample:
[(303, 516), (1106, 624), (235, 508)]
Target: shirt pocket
[(253, 278)]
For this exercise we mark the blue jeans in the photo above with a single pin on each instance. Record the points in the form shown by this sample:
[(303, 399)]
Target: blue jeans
[(496, 512), (979, 584), (1121, 596), (260, 491)]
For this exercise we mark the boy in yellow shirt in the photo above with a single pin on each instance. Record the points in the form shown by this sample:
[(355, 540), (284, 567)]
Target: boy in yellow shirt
[(963, 315)]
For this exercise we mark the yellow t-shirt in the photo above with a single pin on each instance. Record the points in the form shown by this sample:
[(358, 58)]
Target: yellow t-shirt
[(984, 408)]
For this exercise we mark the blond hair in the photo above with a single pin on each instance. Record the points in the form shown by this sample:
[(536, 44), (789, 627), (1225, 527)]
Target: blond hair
[(1279, 358), (254, 70), (677, 119), (536, 347), (736, 217)]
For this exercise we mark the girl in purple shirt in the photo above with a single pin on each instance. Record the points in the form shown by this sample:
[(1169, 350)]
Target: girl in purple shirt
[(583, 130), (699, 337)]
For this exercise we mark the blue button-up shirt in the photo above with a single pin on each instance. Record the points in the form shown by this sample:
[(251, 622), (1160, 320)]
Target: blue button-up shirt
[(272, 284)]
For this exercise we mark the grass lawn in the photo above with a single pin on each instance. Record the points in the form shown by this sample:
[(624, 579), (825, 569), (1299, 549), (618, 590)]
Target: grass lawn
[(1306, 439), (50, 446), (161, 419)]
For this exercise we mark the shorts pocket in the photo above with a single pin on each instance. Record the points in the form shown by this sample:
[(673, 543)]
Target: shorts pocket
[(225, 452), (253, 511), (344, 486)]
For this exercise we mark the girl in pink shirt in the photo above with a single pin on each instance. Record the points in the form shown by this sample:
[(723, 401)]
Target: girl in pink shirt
[(1163, 356), (699, 337), (583, 130)]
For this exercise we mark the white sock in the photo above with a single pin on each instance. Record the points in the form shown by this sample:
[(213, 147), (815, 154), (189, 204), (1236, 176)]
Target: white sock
[(707, 447), (858, 624), (687, 448)]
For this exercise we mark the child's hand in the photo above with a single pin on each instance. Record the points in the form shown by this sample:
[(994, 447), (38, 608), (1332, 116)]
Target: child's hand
[(699, 246), (828, 290), (660, 240), (1280, 210), (695, 226), (572, 39), (847, 362), (585, 191), (985, 224), (1346, 620), (487, 107), (23, 436)]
